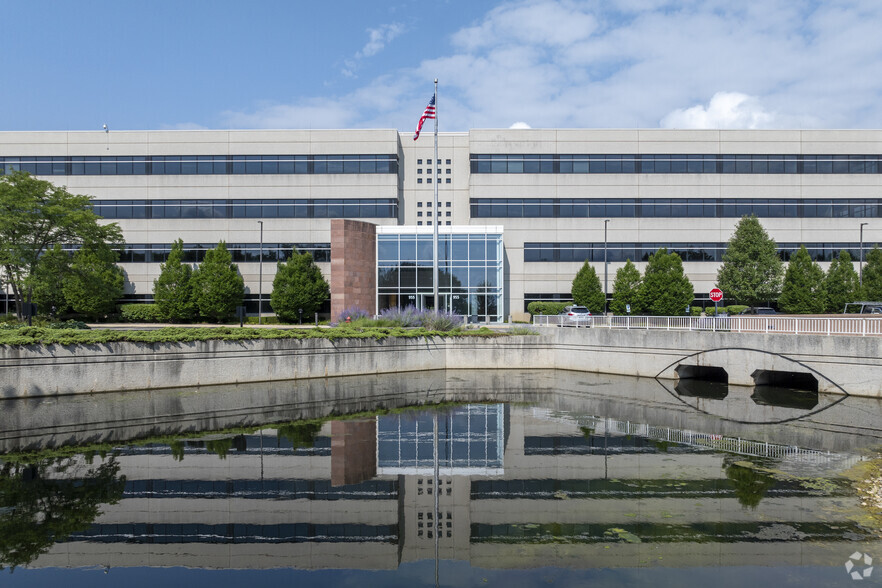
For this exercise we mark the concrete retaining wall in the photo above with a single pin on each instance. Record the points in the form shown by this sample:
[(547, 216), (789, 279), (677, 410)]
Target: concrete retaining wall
[(842, 365)]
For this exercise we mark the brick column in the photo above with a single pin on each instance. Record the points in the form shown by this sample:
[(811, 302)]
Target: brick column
[(353, 266)]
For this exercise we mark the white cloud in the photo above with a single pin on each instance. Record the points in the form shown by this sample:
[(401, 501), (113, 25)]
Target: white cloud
[(520, 125), (379, 38), (726, 110), (626, 63)]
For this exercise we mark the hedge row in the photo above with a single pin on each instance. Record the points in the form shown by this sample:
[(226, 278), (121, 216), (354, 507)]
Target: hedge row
[(141, 313), (547, 307)]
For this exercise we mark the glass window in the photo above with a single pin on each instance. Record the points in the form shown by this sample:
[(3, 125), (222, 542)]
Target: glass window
[(189, 165), (387, 248), (172, 165), (253, 164), (335, 164), (367, 164), (172, 209), (253, 208), (760, 164), (189, 208), (269, 164), (269, 209), (678, 164), (108, 166)]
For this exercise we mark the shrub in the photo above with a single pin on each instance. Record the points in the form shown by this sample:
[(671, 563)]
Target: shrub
[(141, 313), (440, 321), (409, 316), (401, 317), (547, 307), (71, 324), (353, 314)]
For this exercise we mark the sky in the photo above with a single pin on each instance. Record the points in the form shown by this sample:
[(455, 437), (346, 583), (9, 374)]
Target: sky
[(293, 64)]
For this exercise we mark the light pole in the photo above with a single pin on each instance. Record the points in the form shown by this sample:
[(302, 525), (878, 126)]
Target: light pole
[(260, 278), (861, 262), (605, 266)]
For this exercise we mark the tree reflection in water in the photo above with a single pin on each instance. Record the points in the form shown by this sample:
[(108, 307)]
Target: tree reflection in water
[(749, 484), (45, 501)]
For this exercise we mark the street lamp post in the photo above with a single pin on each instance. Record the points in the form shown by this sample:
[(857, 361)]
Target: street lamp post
[(605, 266), (861, 262), (260, 278)]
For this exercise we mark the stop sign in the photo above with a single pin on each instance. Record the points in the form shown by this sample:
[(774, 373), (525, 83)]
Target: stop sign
[(716, 294)]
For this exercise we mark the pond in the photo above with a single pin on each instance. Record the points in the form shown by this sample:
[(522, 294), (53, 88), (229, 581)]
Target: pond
[(458, 478)]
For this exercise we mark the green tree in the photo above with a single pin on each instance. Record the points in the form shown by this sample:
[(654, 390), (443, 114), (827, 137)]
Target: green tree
[(841, 283), (52, 270), (95, 282), (587, 291), (298, 284), (803, 290), (872, 275), (665, 289), (173, 289), (626, 290), (34, 216), (217, 286), (751, 270)]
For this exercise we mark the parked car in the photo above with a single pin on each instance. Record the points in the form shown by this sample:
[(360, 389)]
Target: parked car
[(759, 310), (575, 316), (863, 308)]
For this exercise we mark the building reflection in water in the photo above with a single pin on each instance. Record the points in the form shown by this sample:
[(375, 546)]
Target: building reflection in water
[(496, 485)]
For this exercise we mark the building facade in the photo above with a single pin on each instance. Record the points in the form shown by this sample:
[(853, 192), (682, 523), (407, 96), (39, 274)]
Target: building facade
[(554, 198)]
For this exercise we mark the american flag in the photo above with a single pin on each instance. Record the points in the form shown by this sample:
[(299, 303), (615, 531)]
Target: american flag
[(429, 112)]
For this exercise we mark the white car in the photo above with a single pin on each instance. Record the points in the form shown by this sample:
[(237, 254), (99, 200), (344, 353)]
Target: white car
[(575, 316)]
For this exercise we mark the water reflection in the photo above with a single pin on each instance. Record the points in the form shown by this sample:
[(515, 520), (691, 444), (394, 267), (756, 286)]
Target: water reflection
[(47, 501), (575, 472)]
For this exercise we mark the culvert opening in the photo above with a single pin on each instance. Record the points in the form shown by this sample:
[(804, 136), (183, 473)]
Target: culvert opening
[(797, 390), (793, 380), (708, 373), (702, 381)]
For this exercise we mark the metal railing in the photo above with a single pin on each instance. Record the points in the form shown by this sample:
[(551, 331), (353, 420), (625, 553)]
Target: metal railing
[(855, 326)]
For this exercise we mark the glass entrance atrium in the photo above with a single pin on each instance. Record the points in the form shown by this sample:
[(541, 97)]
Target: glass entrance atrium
[(470, 269)]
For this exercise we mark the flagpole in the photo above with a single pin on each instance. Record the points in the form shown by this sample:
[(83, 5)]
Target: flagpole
[(436, 214)]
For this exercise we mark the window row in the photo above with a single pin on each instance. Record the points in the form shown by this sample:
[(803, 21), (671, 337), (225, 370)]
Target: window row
[(675, 207), (240, 252), (113, 165), (450, 279), (473, 249), (674, 164), (619, 252), (256, 208)]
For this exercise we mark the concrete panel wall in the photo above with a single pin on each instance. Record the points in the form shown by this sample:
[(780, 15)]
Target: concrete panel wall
[(842, 365)]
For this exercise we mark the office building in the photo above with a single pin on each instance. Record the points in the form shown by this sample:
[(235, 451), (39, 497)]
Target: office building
[(525, 207)]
